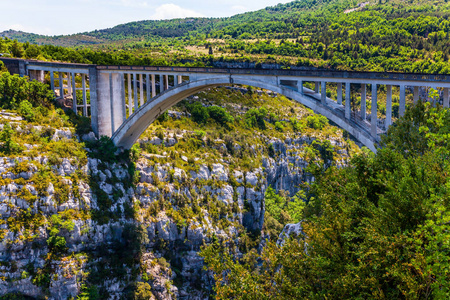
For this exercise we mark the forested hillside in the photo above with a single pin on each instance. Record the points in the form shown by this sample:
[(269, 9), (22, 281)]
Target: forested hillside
[(371, 36)]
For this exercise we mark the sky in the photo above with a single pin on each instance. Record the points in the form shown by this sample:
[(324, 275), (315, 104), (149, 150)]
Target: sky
[(55, 17)]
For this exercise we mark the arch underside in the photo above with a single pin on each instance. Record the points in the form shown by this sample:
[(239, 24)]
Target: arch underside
[(139, 121)]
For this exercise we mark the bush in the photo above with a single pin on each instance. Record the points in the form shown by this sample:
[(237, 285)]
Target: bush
[(279, 126), (255, 117), (56, 244), (316, 121), (26, 111), (8, 146), (15, 89), (198, 112), (220, 115)]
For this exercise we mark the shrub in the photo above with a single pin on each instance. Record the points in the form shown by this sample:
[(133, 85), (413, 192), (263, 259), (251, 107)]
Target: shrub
[(198, 112), (26, 111), (316, 121), (8, 146), (255, 117), (220, 115), (279, 126)]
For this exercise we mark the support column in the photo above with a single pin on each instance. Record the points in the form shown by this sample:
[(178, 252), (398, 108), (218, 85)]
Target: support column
[(117, 101), (93, 79), (316, 87), (136, 105), (347, 101), (161, 83), (446, 98), (363, 101), (52, 81), (141, 89), (83, 84), (130, 96), (373, 115), (416, 94), (180, 79), (74, 95), (69, 85), (104, 104), (61, 85), (124, 97), (388, 106), (147, 87), (153, 86), (41, 76), (402, 107), (339, 93), (323, 93), (300, 86), (167, 82)]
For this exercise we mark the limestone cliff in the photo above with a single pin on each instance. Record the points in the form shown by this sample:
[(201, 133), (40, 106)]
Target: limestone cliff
[(78, 220)]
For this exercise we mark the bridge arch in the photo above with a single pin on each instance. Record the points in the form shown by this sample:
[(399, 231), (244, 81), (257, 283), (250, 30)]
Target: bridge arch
[(133, 127)]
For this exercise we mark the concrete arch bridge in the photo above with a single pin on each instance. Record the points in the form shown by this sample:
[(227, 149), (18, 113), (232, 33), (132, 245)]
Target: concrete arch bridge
[(123, 101)]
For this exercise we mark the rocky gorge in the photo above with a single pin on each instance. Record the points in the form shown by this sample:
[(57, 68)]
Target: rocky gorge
[(79, 219)]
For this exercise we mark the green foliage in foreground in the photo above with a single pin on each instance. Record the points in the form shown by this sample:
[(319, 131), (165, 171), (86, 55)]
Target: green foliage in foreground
[(281, 210), (378, 228)]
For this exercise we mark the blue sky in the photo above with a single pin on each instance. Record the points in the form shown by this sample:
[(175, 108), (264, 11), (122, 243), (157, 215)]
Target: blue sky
[(53, 17)]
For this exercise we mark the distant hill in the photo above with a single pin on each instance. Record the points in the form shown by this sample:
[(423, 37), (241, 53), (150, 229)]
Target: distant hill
[(274, 20), (376, 35)]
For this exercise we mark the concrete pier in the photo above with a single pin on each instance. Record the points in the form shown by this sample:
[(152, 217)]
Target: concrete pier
[(323, 93), (339, 93), (388, 105), (363, 101), (347, 100), (416, 94), (402, 102), (373, 115)]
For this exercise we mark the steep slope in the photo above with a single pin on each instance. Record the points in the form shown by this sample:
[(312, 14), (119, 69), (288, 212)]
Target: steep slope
[(79, 220)]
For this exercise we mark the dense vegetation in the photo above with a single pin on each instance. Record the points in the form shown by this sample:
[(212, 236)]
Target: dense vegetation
[(378, 228), (392, 36)]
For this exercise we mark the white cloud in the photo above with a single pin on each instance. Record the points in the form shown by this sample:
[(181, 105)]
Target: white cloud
[(172, 11)]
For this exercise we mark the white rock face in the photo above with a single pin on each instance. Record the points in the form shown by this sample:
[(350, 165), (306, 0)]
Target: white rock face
[(290, 230)]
